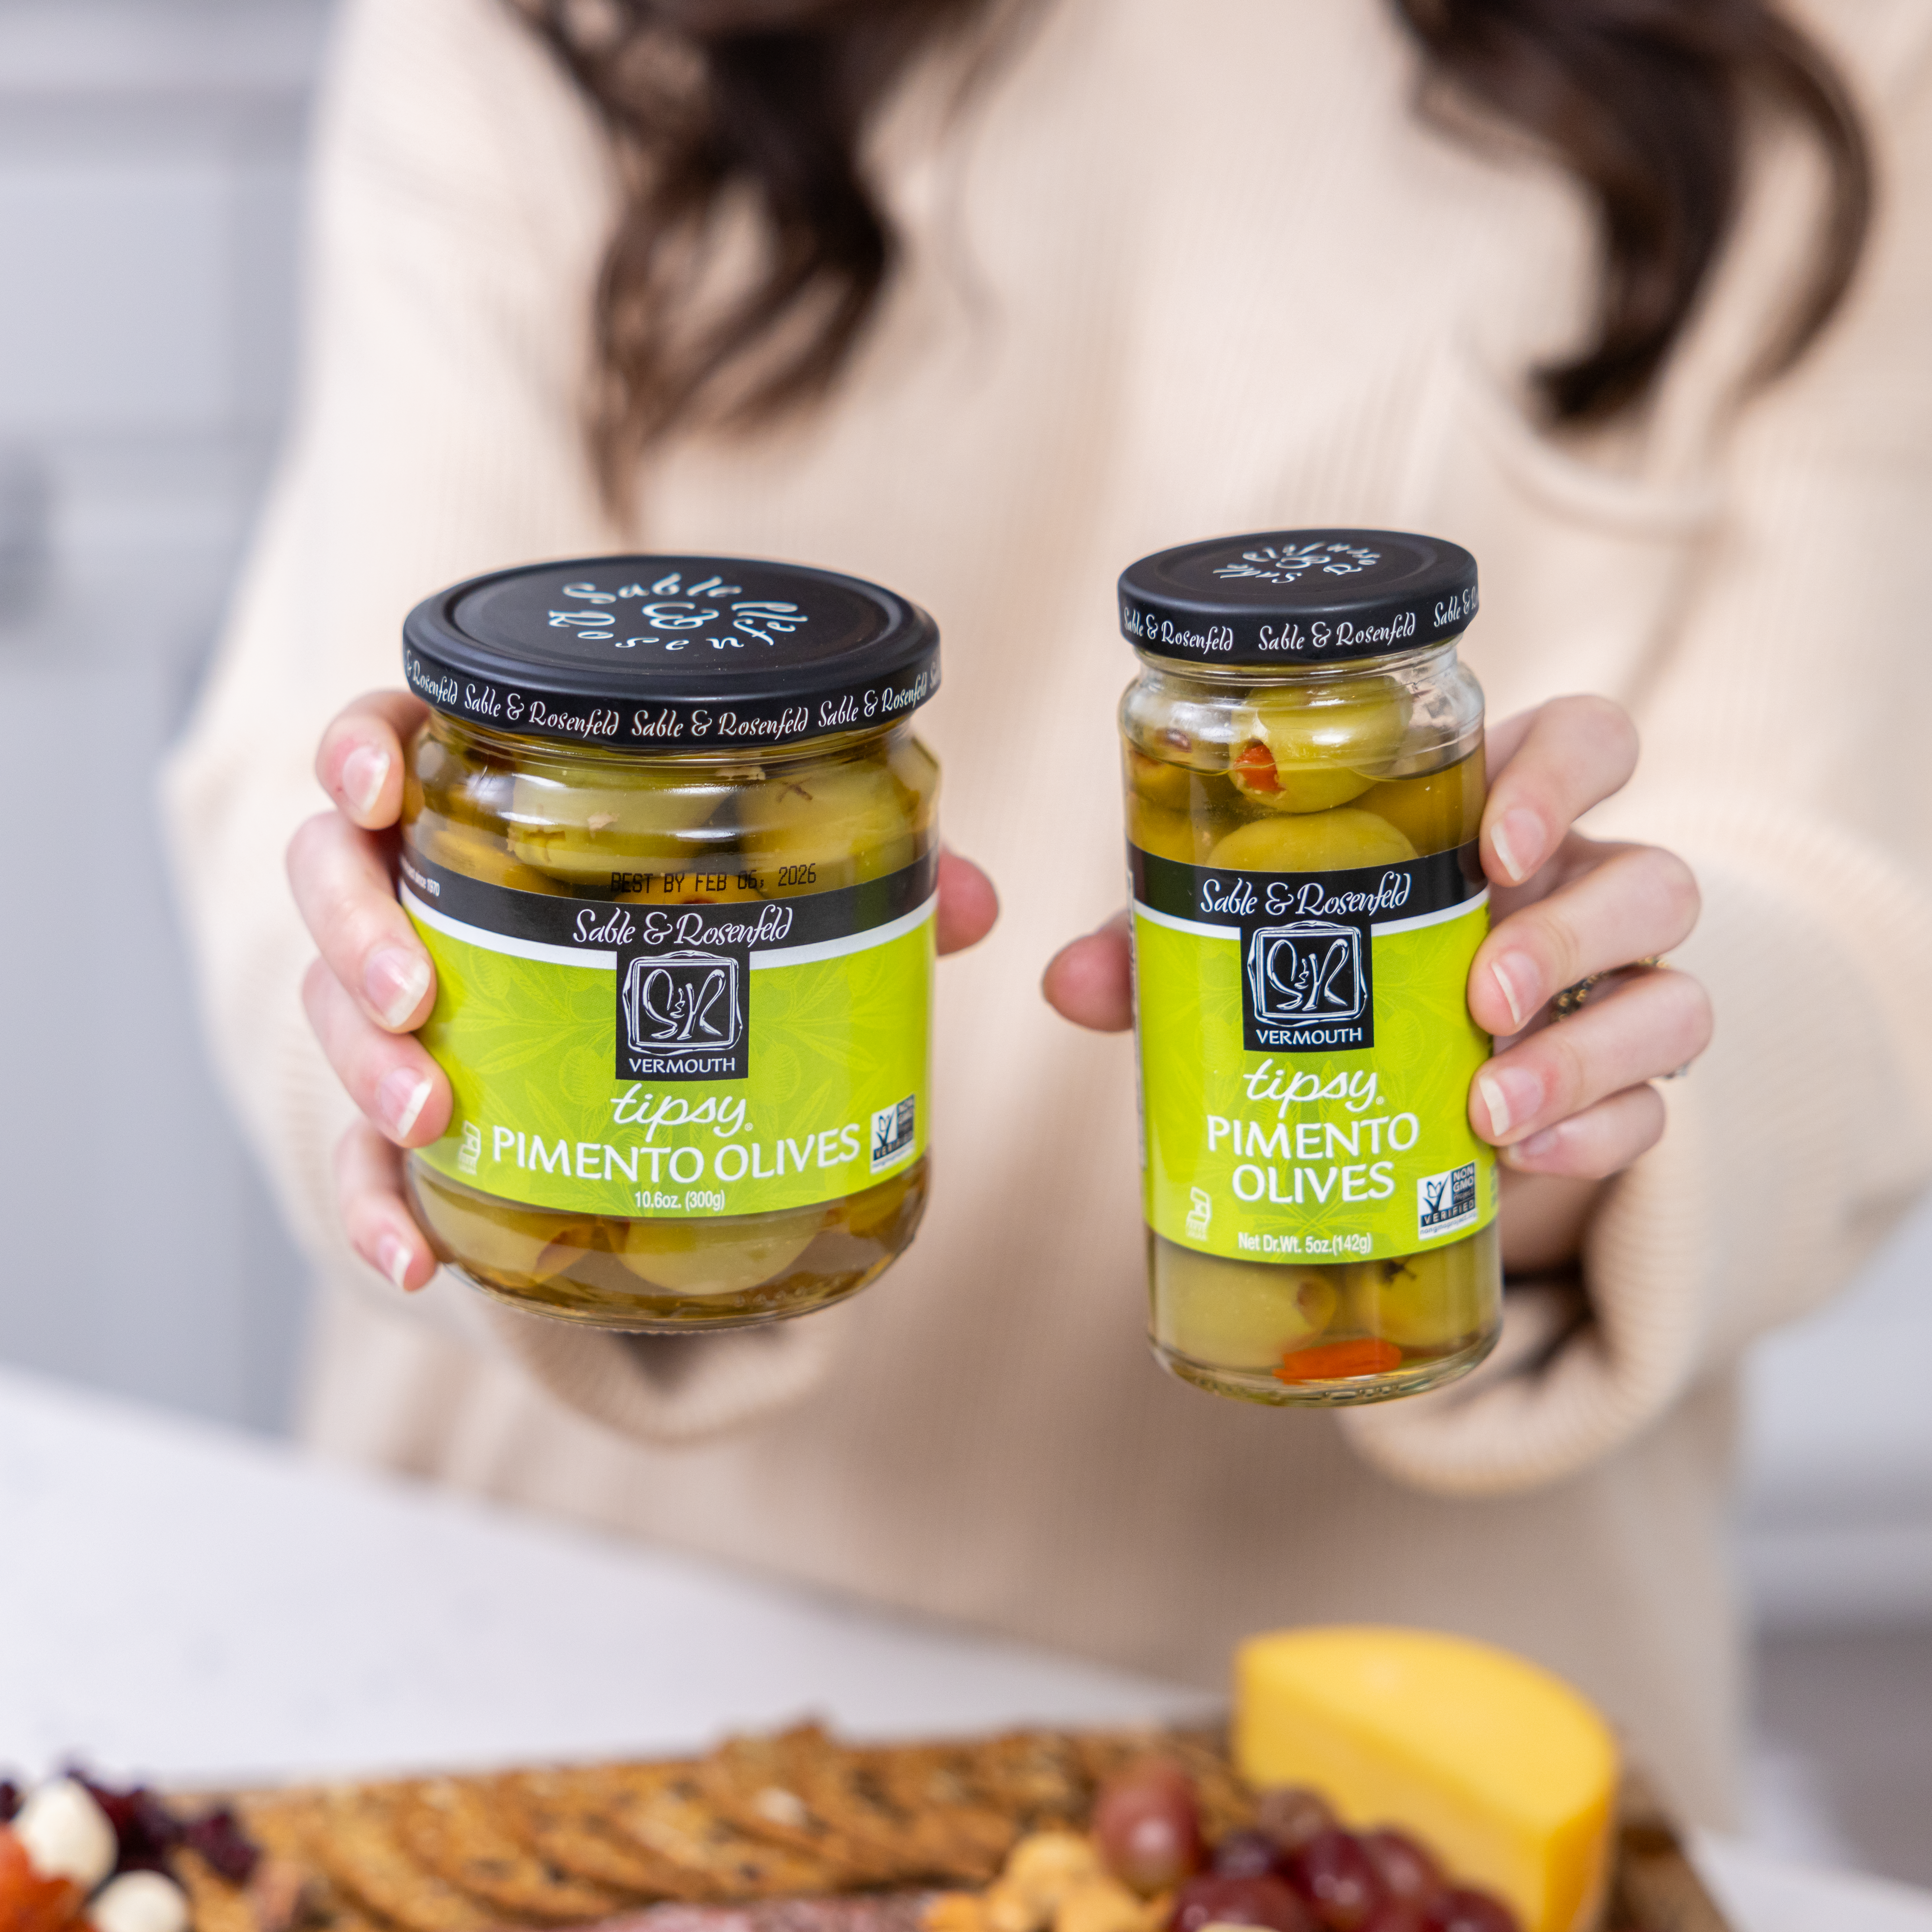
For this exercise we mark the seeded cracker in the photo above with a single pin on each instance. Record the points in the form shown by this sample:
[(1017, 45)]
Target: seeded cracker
[(776, 1788), (561, 1815), (451, 1826), (354, 1838), (663, 1808)]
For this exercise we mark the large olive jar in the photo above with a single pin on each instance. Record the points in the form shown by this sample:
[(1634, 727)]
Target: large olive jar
[(672, 844)]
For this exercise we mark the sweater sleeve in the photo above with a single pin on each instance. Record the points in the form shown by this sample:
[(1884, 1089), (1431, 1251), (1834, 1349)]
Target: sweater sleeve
[(1783, 758), (461, 199)]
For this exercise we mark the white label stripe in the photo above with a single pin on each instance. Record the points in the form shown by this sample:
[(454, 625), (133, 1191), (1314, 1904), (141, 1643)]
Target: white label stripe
[(1386, 928), (591, 959)]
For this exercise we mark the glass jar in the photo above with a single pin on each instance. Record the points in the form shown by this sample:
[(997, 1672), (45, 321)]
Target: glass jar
[(672, 845), (1304, 780)]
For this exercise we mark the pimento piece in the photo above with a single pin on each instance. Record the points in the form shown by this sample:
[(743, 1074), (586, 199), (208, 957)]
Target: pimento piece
[(1254, 766), (28, 1902), (1147, 1822), (1335, 1361)]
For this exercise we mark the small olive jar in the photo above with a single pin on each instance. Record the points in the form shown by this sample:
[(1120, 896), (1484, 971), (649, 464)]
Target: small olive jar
[(672, 845), (1304, 782)]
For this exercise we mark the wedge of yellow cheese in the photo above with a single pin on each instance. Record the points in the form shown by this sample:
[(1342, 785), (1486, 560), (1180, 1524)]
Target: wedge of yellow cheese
[(1508, 1775)]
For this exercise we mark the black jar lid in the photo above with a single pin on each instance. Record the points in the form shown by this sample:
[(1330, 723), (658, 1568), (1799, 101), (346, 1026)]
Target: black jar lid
[(1292, 600), (671, 653)]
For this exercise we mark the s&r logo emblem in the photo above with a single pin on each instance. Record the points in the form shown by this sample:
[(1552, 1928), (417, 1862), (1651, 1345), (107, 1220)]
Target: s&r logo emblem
[(1308, 988), (682, 1015)]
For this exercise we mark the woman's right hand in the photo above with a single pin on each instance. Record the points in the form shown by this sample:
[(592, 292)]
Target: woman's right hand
[(374, 984)]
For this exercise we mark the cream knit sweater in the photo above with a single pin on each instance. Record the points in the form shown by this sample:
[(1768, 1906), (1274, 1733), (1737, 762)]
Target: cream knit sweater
[(1178, 269)]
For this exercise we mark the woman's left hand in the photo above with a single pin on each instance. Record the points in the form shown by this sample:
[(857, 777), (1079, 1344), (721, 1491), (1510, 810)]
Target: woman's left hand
[(1569, 1104)]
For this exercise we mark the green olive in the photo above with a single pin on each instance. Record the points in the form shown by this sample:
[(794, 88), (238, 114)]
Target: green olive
[(1159, 783), (477, 854), (500, 1239), (871, 1215), (1430, 1302), (722, 1257), (1167, 835), (1437, 811), (1235, 1314), (849, 820), (1311, 750), (1317, 841), (582, 823)]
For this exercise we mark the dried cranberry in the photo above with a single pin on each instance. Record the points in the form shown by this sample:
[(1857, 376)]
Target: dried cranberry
[(9, 1800), (1407, 1870), (1213, 1900), (1336, 1876), (1463, 1908), (1291, 1814), (1249, 1854), (218, 1836)]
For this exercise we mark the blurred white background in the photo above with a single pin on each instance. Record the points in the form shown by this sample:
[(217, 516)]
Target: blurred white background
[(150, 183)]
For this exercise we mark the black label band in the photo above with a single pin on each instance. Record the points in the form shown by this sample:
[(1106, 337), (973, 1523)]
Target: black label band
[(1306, 951), (752, 724), (687, 909)]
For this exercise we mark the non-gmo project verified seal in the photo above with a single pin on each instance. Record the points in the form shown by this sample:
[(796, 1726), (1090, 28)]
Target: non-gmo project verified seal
[(891, 1133), (1445, 1204)]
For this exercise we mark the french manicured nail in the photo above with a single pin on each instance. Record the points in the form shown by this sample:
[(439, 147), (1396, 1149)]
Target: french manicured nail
[(1517, 839), (401, 1099), (1509, 1094), (1539, 1147), (392, 1256), (363, 773), (395, 982), (1515, 978)]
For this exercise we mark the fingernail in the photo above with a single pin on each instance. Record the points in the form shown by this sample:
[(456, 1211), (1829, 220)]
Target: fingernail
[(363, 772), (1509, 1093), (401, 1099), (1516, 838), (1516, 977), (392, 1257), (395, 981)]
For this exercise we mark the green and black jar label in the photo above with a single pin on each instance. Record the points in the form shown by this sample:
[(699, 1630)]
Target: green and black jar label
[(1305, 1053)]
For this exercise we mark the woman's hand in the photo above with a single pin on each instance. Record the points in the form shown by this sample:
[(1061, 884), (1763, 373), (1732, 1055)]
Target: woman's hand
[(1568, 1104), (373, 984)]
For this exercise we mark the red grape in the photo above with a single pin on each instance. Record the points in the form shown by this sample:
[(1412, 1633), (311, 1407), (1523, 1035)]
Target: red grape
[(1337, 1877), (1462, 1909), (1248, 1855), (1407, 1871), (1147, 1825), (1291, 1814), (1395, 1915), (1213, 1899)]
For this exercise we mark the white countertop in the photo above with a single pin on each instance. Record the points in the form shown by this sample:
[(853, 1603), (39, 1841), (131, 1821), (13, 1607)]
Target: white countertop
[(181, 1602)]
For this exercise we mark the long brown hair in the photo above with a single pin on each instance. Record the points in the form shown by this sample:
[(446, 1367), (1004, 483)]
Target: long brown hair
[(758, 109)]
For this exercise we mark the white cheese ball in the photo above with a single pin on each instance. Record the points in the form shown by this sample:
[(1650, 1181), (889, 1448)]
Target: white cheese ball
[(66, 1835), (140, 1901)]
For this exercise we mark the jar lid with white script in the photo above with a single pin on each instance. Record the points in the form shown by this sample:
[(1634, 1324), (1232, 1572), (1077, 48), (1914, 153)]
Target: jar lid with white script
[(671, 653), (1297, 600)]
